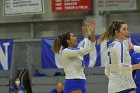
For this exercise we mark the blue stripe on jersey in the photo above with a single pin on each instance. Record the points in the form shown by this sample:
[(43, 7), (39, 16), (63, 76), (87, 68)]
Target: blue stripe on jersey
[(121, 52), (109, 52), (86, 60), (98, 58), (109, 42), (109, 45), (109, 57), (74, 48)]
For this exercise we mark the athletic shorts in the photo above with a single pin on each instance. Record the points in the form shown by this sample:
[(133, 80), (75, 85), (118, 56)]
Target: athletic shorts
[(74, 84), (127, 90)]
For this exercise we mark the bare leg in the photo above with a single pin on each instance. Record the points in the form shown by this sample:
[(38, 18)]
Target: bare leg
[(77, 91)]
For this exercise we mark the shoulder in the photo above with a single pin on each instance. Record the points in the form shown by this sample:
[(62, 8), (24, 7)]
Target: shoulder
[(118, 43), (113, 44)]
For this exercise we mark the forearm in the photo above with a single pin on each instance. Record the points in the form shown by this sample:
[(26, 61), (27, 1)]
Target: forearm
[(93, 36), (136, 66), (92, 29), (85, 29)]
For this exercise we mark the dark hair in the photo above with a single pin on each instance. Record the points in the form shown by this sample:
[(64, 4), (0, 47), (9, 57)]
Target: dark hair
[(110, 33), (61, 40)]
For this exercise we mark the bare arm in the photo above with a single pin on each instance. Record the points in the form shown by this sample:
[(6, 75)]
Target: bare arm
[(92, 29), (132, 46), (136, 66), (85, 29)]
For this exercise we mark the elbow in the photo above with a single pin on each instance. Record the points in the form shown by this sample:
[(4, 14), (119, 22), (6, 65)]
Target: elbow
[(84, 53), (107, 74)]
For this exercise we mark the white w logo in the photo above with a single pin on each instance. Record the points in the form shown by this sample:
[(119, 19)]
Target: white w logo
[(4, 56)]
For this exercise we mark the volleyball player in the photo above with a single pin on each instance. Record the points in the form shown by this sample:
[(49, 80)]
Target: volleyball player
[(72, 61), (118, 66)]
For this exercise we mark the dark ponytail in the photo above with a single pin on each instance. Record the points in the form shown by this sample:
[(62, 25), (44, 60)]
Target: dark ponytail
[(110, 33), (61, 40), (57, 45)]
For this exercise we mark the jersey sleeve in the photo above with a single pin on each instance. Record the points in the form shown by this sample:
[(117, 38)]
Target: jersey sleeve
[(87, 47), (107, 71), (137, 48)]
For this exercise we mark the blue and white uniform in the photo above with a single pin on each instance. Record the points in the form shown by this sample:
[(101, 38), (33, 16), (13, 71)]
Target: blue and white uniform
[(136, 74), (72, 61), (118, 68)]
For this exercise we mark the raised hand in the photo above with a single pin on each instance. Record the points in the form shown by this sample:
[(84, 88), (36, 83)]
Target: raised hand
[(85, 29), (92, 29), (92, 25)]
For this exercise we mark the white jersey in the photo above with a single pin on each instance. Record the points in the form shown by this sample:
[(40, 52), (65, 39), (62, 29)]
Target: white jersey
[(137, 48), (72, 60), (118, 68)]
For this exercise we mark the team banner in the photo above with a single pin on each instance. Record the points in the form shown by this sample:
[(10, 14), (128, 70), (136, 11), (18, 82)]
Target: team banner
[(70, 5), (116, 5), (94, 59), (6, 47), (23, 7)]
